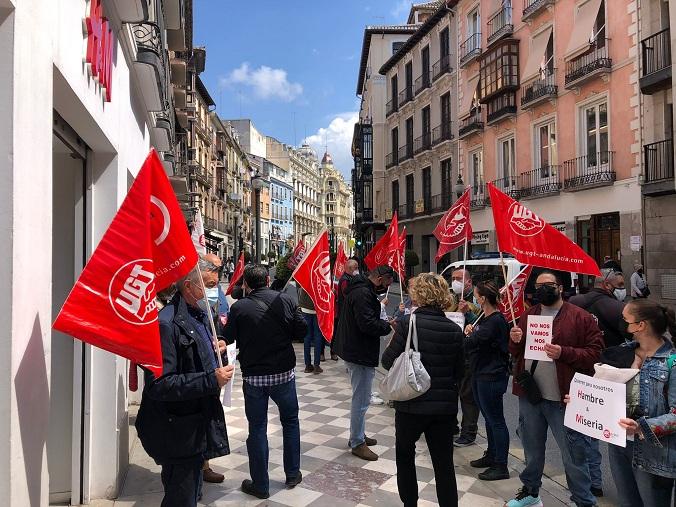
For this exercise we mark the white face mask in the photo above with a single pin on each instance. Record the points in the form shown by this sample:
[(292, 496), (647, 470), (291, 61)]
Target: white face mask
[(620, 294), (355, 272), (203, 305), (212, 295), (457, 287)]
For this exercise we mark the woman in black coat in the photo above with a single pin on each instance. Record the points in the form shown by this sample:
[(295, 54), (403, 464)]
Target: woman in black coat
[(440, 343)]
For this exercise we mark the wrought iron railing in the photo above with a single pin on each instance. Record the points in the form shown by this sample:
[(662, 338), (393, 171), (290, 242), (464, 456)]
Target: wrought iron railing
[(148, 37), (656, 52), (472, 123), (405, 95), (508, 185), (470, 49), (443, 132), (391, 159), (591, 170), (544, 180), (423, 82), (405, 152), (442, 66), (392, 106), (500, 24), (479, 195), (422, 143), (659, 161), (588, 63), (530, 7), (501, 106), (542, 88)]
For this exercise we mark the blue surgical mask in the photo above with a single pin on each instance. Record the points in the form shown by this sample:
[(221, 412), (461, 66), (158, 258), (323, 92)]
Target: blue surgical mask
[(203, 305), (212, 295)]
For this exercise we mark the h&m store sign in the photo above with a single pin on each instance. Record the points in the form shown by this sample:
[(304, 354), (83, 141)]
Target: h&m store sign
[(100, 47)]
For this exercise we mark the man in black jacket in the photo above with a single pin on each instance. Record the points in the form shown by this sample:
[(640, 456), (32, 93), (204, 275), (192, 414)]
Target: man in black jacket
[(358, 344), (264, 324), (180, 422)]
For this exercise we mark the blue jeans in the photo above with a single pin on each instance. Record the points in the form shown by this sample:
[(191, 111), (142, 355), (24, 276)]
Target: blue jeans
[(655, 491), (533, 423), (361, 379), (313, 338), (620, 459), (488, 395), (256, 409), (594, 459)]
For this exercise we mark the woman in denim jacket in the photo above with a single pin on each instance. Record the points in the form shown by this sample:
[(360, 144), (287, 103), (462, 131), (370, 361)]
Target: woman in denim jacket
[(645, 470)]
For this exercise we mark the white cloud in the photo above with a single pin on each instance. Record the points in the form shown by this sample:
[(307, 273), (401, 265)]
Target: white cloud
[(402, 7), (265, 82), (338, 136)]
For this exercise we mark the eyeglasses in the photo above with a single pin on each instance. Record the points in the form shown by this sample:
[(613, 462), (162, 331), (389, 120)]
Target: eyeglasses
[(553, 285)]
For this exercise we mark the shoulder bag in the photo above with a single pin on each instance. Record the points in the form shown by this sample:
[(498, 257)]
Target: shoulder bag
[(407, 379)]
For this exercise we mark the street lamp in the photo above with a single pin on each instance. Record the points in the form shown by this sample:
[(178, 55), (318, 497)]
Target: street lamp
[(459, 186), (256, 182)]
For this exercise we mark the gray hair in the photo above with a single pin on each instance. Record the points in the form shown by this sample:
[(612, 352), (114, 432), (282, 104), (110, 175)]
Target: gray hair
[(193, 276), (608, 275)]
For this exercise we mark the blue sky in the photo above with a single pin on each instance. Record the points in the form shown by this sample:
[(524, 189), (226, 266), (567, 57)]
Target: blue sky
[(272, 61)]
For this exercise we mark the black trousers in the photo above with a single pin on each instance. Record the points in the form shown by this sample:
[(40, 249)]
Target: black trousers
[(182, 484), (470, 410), (438, 430)]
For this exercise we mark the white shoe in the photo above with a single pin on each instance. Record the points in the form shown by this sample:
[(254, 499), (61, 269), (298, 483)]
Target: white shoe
[(376, 399)]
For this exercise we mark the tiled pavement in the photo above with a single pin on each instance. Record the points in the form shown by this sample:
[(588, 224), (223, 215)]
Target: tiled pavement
[(331, 475)]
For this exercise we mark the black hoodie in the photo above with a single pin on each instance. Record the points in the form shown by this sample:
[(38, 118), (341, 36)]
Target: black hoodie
[(357, 339)]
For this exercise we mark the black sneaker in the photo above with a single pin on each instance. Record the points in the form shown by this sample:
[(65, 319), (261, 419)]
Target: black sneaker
[(248, 488), (463, 441), (495, 473), (293, 482), (483, 462), (597, 492)]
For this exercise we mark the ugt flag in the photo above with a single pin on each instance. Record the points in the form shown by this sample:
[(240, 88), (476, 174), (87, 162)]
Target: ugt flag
[(532, 240), (146, 248), (401, 257), (198, 234), (454, 228), (384, 251), (239, 271), (297, 255), (314, 275), (341, 259), (517, 293)]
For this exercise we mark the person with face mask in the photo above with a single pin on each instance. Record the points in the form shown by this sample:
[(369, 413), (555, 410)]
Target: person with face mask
[(575, 347), (183, 406), (639, 286), (351, 270), (357, 342)]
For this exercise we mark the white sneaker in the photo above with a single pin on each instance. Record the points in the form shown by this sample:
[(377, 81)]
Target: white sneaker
[(376, 399)]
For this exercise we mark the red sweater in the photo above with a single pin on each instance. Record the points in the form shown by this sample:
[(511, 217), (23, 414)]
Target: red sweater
[(581, 344)]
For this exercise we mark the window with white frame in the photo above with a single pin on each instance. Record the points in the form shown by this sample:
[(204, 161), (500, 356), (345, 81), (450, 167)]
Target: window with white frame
[(473, 22), (545, 156), (476, 172), (507, 161), (594, 128)]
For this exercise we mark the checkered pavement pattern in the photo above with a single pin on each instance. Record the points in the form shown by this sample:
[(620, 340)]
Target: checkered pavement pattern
[(332, 476)]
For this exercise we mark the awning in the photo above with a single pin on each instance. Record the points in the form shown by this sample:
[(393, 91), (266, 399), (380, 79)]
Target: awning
[(467, 97), (585, 18), (538, 48)]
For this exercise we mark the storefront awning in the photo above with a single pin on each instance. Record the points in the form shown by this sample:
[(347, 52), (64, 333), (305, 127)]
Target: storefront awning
[(585, 18), (467, 97), (538, 48)]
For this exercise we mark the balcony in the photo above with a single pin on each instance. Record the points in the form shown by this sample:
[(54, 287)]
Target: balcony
[(588, 65), (150, 63), (423, 82), (440, 203), (500, 25), (479, 198), (589, 171), (441, 133), (470, 125), (405, 153), (405, 96), (423, 143), (392, 107), (501, 107), (532, 7), (656, 62), (658, 160), (406, 210), (539, 91), (441, 67), (540, 182), (470, 50), (508, 186)]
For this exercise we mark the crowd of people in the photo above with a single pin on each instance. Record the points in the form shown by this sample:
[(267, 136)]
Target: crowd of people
[(181, 421)]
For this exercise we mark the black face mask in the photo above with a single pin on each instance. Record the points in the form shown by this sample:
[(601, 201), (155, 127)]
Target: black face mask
[(624, 331), (380, 289), (547, 295)]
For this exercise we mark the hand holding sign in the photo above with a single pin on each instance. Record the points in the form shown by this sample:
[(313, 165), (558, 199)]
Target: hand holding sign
[(538, 337)]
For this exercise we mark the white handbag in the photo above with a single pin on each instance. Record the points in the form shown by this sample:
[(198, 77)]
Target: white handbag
[(407, 379)]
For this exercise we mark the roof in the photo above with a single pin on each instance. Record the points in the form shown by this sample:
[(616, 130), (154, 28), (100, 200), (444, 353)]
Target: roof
[(327, 159), (202, 90), (377, 29), (425, 6), (423, 30)]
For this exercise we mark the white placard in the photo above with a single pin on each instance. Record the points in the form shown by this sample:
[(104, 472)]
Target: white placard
[(635, 243), (457, 317), (538, 333), (231, 350), (596, 407)]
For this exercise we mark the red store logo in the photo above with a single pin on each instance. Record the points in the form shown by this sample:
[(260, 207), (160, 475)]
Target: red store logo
[(100, 47)]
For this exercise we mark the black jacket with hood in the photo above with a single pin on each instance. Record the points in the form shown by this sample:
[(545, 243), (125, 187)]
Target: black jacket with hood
[(607, 311)]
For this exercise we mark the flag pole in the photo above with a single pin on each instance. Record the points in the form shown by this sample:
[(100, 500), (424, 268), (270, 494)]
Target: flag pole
[(525, 266), (509, 292), (300, 262), (464, 269), (211, 319)]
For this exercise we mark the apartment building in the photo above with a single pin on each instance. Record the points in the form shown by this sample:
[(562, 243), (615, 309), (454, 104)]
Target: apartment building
[(420, 132), (337, 214), (370, 138), (281, 208), (549, 112), (658, 242)]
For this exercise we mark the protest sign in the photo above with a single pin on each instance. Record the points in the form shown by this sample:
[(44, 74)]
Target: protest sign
[(538, 333), (456, 317), (232, 357), (596, 407)]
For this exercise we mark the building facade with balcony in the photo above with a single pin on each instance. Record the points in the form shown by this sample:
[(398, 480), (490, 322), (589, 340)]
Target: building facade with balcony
[(337, 211), (83, 122), (281, 208), (549, 112), (658, 188), (421, 132)]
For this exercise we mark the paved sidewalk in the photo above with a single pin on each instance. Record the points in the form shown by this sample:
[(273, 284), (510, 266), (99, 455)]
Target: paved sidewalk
[(331, 475)]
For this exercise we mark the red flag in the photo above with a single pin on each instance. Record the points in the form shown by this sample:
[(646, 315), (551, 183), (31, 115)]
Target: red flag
[(383, 253), (518, 293), (401, 260), (239, 271), (341, 259), (146, 248), (454, 228), (532, 240), (297, 255), (314, 275)]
